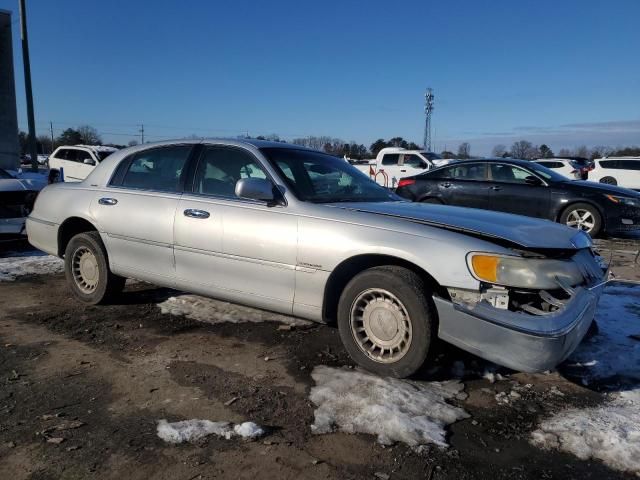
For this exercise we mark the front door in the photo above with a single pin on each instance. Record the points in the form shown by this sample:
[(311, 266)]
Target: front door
[(135, 213), (233, 248), (509, 191)]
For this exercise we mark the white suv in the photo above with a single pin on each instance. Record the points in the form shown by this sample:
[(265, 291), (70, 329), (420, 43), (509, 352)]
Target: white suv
[(622, 171), (572, 168), (74, 163)]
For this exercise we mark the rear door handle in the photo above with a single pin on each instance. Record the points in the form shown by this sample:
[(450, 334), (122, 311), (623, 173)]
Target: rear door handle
[(495, 188), (107, 201), (194, 213), (445, 185), (403, 170)]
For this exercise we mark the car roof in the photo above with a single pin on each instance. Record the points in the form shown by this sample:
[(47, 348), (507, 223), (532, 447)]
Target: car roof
[(513, 161)]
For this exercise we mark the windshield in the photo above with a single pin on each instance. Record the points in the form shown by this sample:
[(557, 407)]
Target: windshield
[(431, 156), (320, 178), (546, 173), (102, 155)]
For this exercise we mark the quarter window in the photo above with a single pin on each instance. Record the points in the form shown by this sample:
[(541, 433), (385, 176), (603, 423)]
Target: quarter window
[(219, 169), (157, 169)]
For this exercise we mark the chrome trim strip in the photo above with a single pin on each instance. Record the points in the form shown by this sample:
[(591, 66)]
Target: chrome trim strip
[(139, 240), (44, 222), (235, 257)]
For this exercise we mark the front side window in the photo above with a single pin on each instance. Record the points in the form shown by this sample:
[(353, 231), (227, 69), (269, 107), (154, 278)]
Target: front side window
[(157, 169), (220, 168), (413, 161), (630, 164), (508, 173), (321, 178), (82, 155), (609, 164)]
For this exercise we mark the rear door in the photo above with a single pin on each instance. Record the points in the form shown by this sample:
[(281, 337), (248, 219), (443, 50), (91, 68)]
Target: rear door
[(135, 212), (631, 177), (510, 192), (463, 185)]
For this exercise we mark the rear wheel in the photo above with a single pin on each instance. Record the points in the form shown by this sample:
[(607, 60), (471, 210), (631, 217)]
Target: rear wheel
[(582, 216), (609, 180), (87, 270), (386, 320)]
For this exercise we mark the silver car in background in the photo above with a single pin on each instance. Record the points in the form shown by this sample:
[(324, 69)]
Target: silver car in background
[(303, 233)]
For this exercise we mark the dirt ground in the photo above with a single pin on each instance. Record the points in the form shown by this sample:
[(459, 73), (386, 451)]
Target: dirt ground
[(82, 389)]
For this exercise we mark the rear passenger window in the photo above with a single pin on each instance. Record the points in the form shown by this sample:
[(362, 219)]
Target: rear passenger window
[(630, 164), (157, 169), (474, 171), (390, 159), (219, 169)]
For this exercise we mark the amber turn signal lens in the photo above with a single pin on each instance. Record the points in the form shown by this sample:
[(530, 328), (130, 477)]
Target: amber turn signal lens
[(485, 267)]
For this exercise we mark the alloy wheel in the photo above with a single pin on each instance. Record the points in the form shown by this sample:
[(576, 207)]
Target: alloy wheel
[(84, 267), (581, 219)]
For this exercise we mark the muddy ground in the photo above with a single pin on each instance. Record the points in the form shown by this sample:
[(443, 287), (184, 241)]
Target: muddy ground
[(82, 389)]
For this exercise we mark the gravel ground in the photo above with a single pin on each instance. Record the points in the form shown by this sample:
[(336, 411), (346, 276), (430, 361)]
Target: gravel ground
[(83, 389)]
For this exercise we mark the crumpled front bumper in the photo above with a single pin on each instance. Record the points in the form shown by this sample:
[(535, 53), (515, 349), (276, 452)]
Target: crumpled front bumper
[(517, 340)]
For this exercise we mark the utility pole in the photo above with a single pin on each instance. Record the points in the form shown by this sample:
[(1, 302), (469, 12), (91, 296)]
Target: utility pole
[(51, 130), (428, 108), (33, 149), (141, 133)]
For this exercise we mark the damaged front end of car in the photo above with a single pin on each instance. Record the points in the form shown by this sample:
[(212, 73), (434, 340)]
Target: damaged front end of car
[(532, 308)]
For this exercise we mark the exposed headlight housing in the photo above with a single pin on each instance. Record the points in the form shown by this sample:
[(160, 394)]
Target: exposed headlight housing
[(519, 272), (631, 202)]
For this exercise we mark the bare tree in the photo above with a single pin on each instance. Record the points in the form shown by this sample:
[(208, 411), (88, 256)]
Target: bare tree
[(600, 151), (499, 151), (564, 152), (582, 151), (524, 150), (464, 150), (89, 135)]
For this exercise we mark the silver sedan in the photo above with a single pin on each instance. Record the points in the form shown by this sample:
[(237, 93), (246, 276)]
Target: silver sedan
[(303, 233)]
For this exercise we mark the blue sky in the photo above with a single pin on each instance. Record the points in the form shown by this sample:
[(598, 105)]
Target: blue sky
[(561, 72)]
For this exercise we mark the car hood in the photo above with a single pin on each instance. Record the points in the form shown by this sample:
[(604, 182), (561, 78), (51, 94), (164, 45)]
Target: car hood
[(526, 232), (602, 188), (20, 184)]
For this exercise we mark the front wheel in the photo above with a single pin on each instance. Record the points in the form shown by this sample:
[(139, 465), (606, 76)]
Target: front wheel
[(583, 216), (386, 320), (86, 269)]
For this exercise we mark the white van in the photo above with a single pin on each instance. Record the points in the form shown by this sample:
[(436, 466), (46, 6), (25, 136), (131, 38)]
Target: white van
[(77, 161), (621, 171)]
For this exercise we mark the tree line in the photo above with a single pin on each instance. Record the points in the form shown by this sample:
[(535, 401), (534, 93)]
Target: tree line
[(82, 135)]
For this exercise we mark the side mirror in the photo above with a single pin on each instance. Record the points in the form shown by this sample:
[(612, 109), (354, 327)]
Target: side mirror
[(531, 180), (88, 161), (255, 189)]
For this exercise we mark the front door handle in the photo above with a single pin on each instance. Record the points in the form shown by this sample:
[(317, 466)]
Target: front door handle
[(403, 170), (495, 188), (194, 213), (445, 185), (107, 201)]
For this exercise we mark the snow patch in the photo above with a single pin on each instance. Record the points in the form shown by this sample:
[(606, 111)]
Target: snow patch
[(193, 430), (612, 352), (394, 410), (29, 263), (610, 432), (206, 310)]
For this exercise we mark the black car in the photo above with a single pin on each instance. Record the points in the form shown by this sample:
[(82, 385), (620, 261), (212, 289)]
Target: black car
[(526, 188)]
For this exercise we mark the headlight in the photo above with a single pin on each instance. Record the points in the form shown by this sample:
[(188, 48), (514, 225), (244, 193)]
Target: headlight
[(512, 271), (631, 202)]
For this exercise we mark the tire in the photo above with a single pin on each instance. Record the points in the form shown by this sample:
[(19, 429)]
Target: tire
[(609, 180), (574, 216), (86, 268), (398, 296)]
